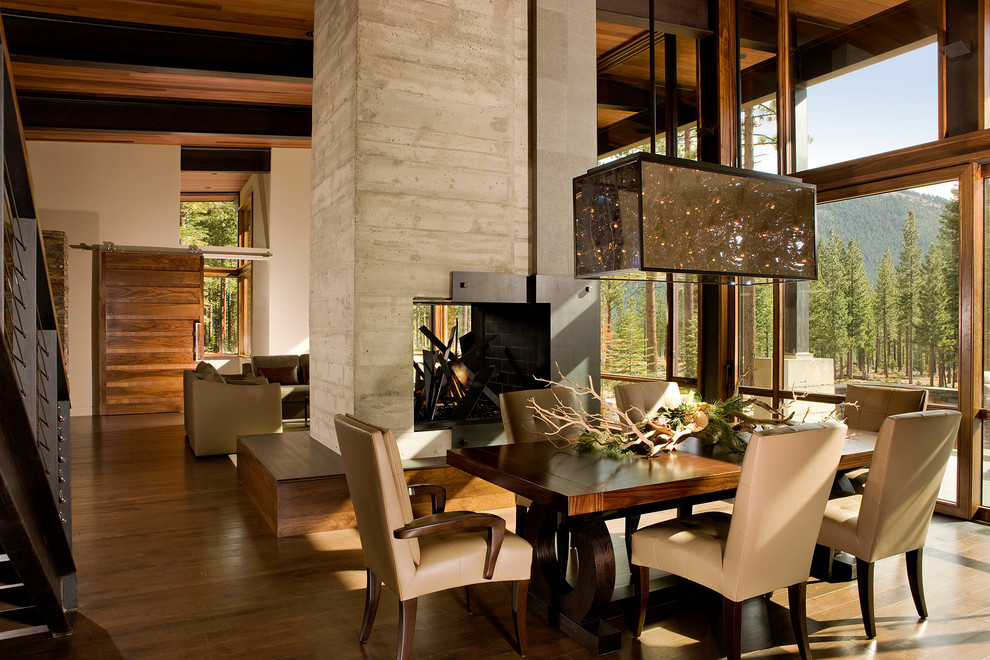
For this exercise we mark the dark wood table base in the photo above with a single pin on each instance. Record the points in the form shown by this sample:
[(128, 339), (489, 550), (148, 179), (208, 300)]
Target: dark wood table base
[(578, 610)]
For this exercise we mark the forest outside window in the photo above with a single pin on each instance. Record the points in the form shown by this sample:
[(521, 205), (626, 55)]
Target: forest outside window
[(226, 282), (884, 309)]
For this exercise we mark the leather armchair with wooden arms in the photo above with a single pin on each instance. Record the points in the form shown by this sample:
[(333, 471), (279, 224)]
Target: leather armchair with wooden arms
[(411, 556), (766, 543), (892, 514)]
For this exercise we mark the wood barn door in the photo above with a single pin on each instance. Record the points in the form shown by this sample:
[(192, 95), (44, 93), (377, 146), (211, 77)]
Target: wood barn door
[(151, 310)]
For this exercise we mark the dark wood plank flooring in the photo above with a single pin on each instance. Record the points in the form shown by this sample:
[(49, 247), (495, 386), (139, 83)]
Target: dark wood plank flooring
[(175, 561)]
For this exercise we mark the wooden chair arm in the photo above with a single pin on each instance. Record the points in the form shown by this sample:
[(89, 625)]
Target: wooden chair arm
[(460, 521), (438, 495)]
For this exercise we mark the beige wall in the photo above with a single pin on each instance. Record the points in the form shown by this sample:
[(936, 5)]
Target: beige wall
[(129, 195), (126, 194), (288, 270)]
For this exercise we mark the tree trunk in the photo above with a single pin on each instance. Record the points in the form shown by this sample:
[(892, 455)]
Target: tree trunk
[(652, 356)]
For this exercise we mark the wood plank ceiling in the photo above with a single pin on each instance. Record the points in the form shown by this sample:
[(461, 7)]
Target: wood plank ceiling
[(231, 74), (239, 73)]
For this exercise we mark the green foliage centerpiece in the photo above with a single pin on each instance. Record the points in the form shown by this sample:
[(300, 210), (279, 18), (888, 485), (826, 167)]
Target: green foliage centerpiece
[(724, 423)]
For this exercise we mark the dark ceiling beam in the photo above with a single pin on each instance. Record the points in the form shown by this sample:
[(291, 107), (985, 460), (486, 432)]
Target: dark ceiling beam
[(224, 159), (680, 17), (70, 40), (620, 95), (125, 115)]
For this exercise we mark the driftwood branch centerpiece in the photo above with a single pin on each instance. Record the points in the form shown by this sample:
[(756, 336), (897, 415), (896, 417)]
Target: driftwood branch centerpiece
[(725, 423)]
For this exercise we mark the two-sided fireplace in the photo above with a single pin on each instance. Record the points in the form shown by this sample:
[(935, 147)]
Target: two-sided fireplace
[(492, 336)]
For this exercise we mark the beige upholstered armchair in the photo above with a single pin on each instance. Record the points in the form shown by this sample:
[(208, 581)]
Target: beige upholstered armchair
[(766, 543), (867, 406), (216, 411), (892, 514), (637, 399), (422, 555)]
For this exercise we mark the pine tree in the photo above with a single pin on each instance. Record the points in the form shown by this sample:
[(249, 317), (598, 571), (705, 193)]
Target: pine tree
[(859, 298), (909, 280), (932, 317), (948, 245), (885, 311), (828, 310)]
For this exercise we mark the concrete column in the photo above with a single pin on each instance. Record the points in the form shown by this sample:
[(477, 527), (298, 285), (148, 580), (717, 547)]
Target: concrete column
[(420, 168), (564, 124)]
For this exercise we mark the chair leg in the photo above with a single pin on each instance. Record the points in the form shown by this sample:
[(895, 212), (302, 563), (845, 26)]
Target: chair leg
[(864, 579), (632, 524), (732, 624), (520, 590), (371, 597), (469, 598), (915, 581), (407, 625), (642, 586), (797, 601)]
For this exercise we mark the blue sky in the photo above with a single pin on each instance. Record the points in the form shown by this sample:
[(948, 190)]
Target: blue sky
[(886, 106), (882, 107)]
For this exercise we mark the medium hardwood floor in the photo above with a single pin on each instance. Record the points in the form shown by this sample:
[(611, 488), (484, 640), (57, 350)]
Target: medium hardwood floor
[(174, 561)]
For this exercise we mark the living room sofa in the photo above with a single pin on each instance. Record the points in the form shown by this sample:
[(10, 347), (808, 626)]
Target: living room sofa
[(216, 411), (291, 372)]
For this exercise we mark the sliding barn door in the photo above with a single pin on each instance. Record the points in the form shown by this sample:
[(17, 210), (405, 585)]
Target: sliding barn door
[(151, 310)]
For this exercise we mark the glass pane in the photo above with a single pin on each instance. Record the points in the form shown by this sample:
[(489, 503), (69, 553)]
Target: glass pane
[(624, 121), (685, 360), (209, 223), (221, 314), (758, 88), (756, 335), (885, 307), (866, 78), (634, 328)]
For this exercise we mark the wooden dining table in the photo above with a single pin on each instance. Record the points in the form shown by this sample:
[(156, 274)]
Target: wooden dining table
[(578, 491)]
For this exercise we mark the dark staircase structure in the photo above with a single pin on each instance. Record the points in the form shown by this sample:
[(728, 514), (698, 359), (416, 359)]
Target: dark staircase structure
[(37, 571)]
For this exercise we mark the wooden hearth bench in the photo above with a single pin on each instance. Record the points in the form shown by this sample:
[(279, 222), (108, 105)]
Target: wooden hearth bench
[(299, 486)]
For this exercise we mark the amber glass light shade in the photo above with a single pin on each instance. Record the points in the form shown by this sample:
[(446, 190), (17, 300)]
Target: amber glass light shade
[(647, 216)]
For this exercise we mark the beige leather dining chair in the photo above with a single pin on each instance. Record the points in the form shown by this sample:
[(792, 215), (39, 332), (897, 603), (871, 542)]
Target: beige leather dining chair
[(637, 399), (521, 425), (422, 555), (892, 514), (768, 540), (865, 408)]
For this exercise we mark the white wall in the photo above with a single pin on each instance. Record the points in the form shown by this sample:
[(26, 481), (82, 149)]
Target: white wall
[(126, 194)]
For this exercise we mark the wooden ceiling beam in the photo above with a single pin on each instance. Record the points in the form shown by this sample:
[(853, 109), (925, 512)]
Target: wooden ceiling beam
[(43, 113), (52, 38), (221, 159)]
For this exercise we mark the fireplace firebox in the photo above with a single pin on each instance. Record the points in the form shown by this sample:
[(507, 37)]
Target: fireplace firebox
[(498, 333)]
